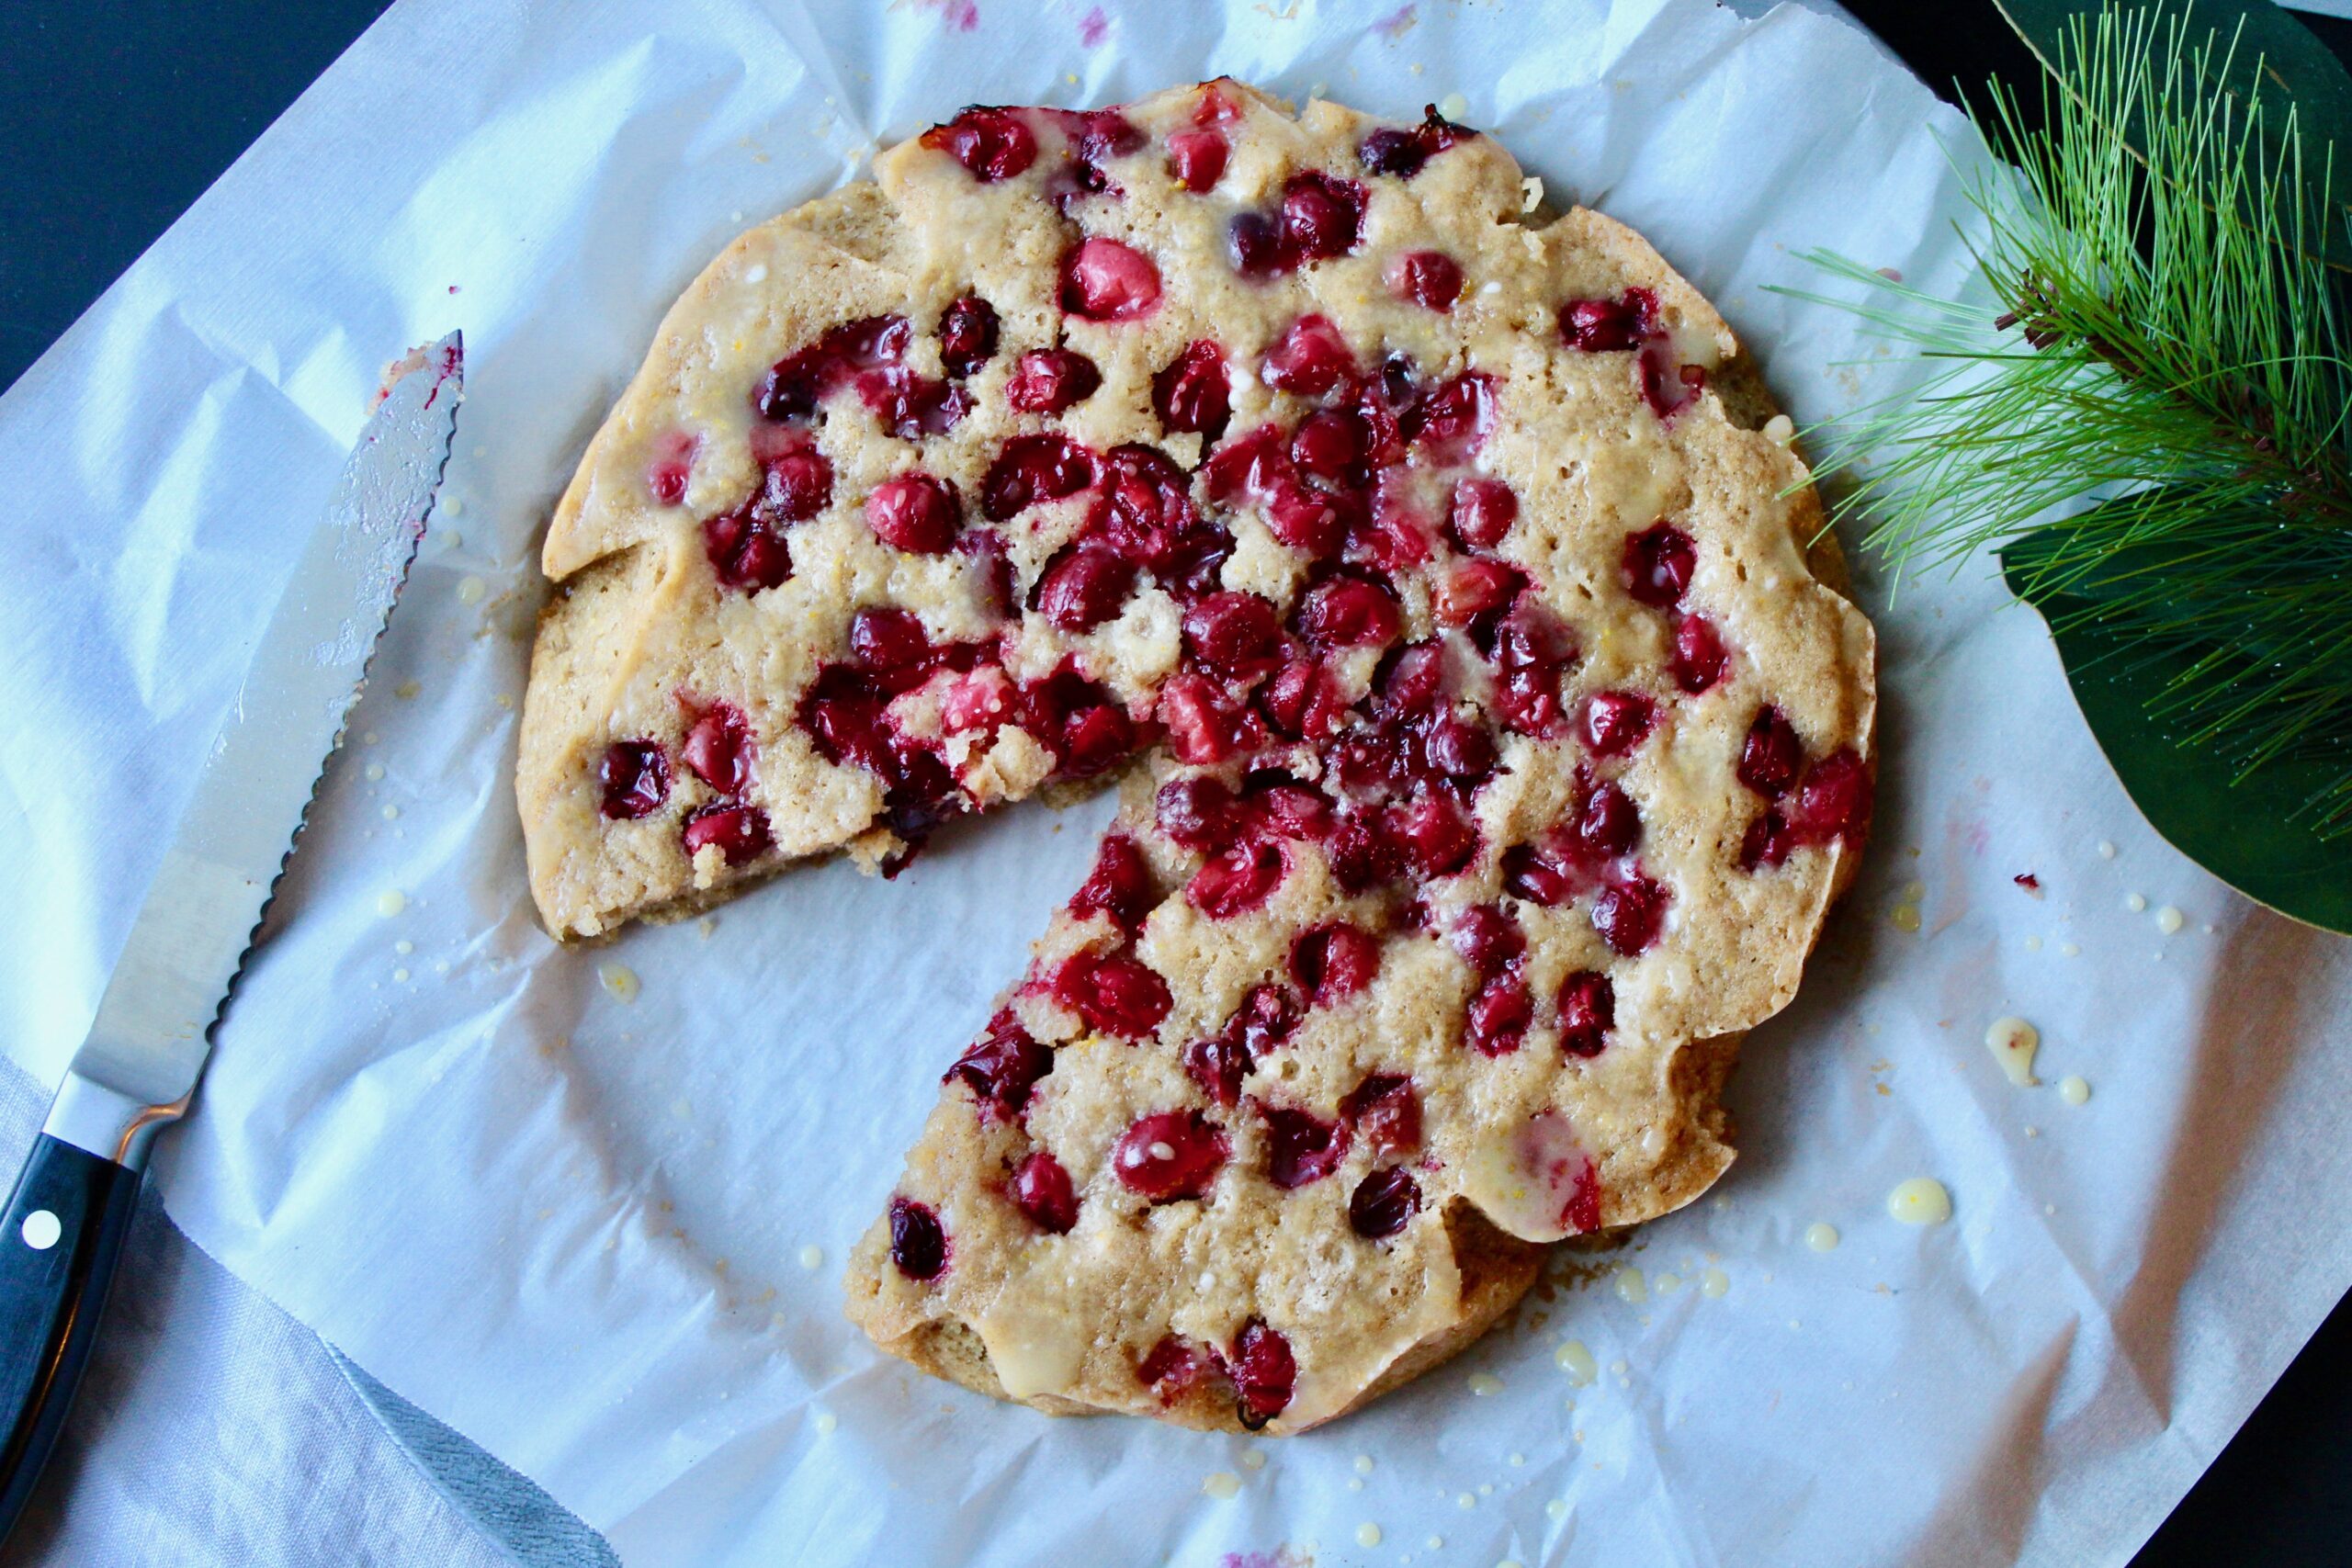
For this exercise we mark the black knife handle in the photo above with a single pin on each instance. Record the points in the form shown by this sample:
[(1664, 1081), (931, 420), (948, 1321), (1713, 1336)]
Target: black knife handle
[(60, 1240)]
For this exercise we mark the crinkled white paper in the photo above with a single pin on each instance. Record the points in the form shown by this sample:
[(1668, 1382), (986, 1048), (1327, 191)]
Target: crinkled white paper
[(603, 1236)]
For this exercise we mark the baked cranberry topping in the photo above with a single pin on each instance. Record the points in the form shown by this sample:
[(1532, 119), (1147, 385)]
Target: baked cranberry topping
[(1108, 280), (886, 639), (1328, 444), (1322, 215), (1348, 611), (1616, 722), (1301, 1147), (1001, 1067), (1264, 1372), (1264, 1021), (746, 546), (1532, 648), (1233, 634), (1587, 1012), (1386, 1114), (1450, 419), (1488, 939), (1042, 1191), (1430, 279), (1771, 754), (1197, 812), (1236, 879), (915, 513), (918, 1245), (1170, 1155), (739, 831), (635, 778), (793, 387), (968, 334), (1609, 825), (1383, 1203), (1202, 727), (1196, 158), (1667, 388), (1498, 1016), (673, 464), (1474, 588), (1334, 962), (1119, 886), (717, 747), (1310, 358), (1609, 326), (910, 406), (1174, 1366), (992, 143), (1394, 150), (1833, 802), (1363, 852), (1113, 995), (1034, 469), (1192, 393), (1047, 381), (1255, 244), (1482, 514), (1084, 586), (1698, 659), (1435, 835), (1659, 563), (1582, 1213), (1630, 914), (1537, 877)]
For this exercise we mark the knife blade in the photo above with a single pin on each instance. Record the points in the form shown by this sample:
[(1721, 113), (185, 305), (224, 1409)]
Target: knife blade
[(63, 1227)]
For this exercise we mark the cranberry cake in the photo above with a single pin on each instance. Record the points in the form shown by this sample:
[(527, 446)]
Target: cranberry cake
[(1488, 749)]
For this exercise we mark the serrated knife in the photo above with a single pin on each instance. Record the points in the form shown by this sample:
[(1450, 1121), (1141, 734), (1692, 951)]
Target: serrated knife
[(64, 1226)]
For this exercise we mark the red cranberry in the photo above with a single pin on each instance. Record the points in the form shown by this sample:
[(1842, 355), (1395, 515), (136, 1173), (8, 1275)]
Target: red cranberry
[(1322, 215), (1196, 158), (1310, 358), (1771, 755), (1457, 747), (1488, 939), (1609, 824), (795, 384), (1347, 611), (1699, 659), (1002, 1067), (915, 513), (1092, 739), (1450, 419), (1835, 800), (918, 1245), (1236, 879), (746, 553), (1264, 1374), (1328, 444), (1606, 326), (1174, 1366), (1413, 681), (1219, 1066), (968, 334), (1385, 1113), (1616, 722), (1474, 588), (672, 466), (739, 831), (1498, 1016), (1436, 835), (1119, 886), (1108, 280), (1667, 388), (1384, 1202), (1659, 563), (1302, 703), (1306, 519), (1255, 244), (635, 778), (1042, 1191), (1629, 915), (1117, 995), (1281, 807), (718, 748), (1530, 873), (1334, 962), (910, 406), (888, 639), (1193, 392), (1301, 1147), (1234, 633), (1034, 469), (1170, 1155), (1197, 812), (1200, 730), (1587, 1012), (1483, 512), (992, 143), (1394, 150), (1047, 381), (1363, 853), (1429, 278), (1084, 586)]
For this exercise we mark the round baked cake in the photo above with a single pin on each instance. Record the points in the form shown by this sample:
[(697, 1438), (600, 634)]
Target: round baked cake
[(1426, 571)]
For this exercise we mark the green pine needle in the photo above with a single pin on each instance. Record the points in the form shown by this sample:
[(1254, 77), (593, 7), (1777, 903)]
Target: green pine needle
[(2161, 368)]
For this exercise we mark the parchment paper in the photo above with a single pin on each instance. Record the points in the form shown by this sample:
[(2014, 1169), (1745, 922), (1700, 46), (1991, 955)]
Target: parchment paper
[(574, 1226)]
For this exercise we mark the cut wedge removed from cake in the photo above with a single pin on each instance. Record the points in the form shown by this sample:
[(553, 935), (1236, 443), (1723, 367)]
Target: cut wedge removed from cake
[(1489, 747)]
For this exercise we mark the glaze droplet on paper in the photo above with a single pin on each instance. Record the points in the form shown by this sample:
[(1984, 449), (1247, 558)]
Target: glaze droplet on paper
[(1577, 1362), (620, 980), (2013, 1042), (1222, 1486), (391, 903), (1632, 1289), (1821, 1235), (2074, 1091), (1921, 1200), (2168, 919)]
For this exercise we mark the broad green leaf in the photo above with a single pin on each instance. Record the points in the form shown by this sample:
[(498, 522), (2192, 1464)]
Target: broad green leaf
[(2251, 833)]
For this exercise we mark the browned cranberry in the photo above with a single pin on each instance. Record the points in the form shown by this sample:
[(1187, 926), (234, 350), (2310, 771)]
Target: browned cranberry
[(1042, 1191), (1436, 835), (1668, 387), (1002, 1068), (1234, 633), (1430, 279), (1483, 512), (1616, 722), (719, 747), (1659, 563), (1609, 824), (1236, 879), (1698, 659), (1605, 326), (739, 831), (1170, 1155), (1108, 280), (1196, 158), (915, 513), (1382, 1202), (1475, 587), (1363, 852), (635, 778), (1386, 1113), (1114, 995), (1771, 755), (885, 638), (1587, 1012), (1192, 393), (1197, 812), (1310, 358), (1047, 381), (1255, 243), (968, 334), (1300, 1146), (1334, 962), (1348, 612), (992, 143), (1264, 1374), (1034, 469), (1393, 149), (1174, 1366), (1488, 939), (1119, 886), (1084, 586), (918, 1245), (1538, 877), (1498, 1016), (1629, 915)]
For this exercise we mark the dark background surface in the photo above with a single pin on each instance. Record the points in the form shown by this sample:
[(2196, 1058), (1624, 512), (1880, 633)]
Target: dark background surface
[(116, 113)]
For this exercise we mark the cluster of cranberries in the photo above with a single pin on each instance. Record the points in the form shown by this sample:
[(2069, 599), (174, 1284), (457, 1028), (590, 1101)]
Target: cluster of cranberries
[(1630, 323), (1806, 805), (634, 779)]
